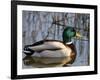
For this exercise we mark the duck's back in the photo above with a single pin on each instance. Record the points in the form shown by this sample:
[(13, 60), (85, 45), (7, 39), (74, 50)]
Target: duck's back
[(47, 45)]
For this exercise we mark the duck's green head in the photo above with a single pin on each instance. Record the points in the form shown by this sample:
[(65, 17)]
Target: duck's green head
[(69, 33)]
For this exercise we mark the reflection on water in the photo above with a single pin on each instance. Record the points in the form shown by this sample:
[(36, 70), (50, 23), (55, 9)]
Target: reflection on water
[(38, 62)]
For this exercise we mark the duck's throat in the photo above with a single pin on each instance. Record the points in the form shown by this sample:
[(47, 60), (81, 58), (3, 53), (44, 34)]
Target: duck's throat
[(67, 40)]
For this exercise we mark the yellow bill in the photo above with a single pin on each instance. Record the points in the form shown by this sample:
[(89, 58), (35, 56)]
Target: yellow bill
[(78, 35)]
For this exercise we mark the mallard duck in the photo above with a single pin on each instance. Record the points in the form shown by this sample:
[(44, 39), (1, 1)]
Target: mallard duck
[(55, 48)]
